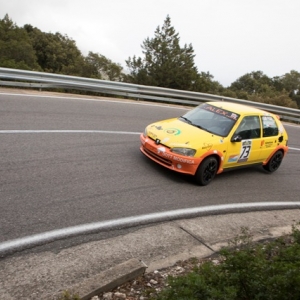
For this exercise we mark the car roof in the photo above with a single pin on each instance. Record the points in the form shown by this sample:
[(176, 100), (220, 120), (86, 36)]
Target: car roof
[(238, 108)]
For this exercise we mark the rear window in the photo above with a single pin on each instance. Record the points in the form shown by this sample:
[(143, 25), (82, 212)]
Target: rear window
[(270, 127)]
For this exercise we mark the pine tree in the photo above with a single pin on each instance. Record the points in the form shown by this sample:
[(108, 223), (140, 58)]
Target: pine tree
[(165, 63)]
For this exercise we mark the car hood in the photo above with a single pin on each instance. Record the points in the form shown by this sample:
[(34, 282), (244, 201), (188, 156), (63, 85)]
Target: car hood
[(177, 133)]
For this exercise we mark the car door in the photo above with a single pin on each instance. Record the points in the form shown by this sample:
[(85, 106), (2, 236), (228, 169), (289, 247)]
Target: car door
[(245, 143), (270, 134)]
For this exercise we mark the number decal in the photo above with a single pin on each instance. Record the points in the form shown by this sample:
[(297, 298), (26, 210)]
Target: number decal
[(245, 151)]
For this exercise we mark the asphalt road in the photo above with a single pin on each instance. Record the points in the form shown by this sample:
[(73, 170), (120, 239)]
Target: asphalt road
[(52, 180)]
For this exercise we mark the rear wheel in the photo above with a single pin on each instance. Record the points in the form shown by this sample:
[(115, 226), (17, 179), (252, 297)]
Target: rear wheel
[(274, 162), (207, 171)]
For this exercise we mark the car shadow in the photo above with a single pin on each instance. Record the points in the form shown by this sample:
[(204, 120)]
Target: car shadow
[(165, 172), (231, 174)]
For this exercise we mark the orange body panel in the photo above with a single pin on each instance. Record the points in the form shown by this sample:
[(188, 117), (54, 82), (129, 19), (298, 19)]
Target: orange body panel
[(163, 156)]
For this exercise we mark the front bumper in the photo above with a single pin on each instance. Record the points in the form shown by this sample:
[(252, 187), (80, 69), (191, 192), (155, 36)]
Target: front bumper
[(163, 156)]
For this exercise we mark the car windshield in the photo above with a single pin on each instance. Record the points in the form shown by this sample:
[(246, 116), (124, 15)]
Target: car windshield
[(211, 118)]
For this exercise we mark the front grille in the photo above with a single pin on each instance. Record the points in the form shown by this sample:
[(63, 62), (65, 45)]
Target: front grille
[(157, 157), (160, 143)]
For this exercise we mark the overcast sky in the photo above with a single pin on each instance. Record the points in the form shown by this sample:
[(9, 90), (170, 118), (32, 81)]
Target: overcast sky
[(230, 37)]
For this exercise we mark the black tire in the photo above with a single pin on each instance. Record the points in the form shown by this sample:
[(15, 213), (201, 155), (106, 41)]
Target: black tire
[(207, 171), (275, 162)]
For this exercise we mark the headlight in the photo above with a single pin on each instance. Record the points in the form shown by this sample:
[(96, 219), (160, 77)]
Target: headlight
[(145, 132), (184, 151)]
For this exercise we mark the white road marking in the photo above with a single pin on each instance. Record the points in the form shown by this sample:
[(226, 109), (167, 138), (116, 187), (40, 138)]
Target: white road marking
[(111, 100), (69, 131), (291, 125), (84, 131), (50, 236)]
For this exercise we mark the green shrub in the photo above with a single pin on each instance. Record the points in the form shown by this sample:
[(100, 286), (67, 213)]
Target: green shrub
[(269, 270), (66, 295)]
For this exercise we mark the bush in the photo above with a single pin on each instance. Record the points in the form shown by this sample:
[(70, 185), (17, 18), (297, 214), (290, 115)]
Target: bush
[(269, 270), (66, 295)]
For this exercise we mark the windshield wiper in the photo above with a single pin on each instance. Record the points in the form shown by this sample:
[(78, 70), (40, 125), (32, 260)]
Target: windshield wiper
[(203, 128), (186, 119), (193, 124), (199, 126)]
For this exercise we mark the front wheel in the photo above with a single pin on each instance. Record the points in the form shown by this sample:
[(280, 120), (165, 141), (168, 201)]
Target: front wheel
[(274, 162), (207, 171)]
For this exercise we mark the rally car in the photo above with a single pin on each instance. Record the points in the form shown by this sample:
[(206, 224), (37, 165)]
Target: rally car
[(214, 137)]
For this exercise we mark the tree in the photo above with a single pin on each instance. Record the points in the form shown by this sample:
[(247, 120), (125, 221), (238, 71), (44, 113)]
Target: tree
[(277, 98), (252, 83), (56, 53), (98, 66), (16, 50), (289, 81), (165, 63), (206, 84)]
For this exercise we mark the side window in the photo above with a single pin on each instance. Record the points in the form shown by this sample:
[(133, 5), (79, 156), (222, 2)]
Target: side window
[(270, 127), (249, 128)]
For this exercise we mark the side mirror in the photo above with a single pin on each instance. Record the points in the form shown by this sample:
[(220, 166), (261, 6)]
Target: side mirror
[(236, 138)]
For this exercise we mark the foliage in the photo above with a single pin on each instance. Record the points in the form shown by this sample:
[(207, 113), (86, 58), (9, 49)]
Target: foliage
[(165, 63), (255, 82), (258, 87), (98, 66), (31, 49), (66, 295), (249, 271), (16, 50), (55, 52), (281, 99)]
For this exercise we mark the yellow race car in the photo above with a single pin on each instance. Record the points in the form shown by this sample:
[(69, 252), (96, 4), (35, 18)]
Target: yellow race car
[(216, 136)]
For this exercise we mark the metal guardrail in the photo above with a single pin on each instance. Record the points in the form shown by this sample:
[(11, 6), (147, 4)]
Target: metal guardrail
[(22, 78)]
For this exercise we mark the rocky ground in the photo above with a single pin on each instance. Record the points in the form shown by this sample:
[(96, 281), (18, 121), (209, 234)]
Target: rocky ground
[(148, 285)]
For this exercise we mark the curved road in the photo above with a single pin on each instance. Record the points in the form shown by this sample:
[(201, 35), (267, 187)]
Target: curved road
[(67, 161)]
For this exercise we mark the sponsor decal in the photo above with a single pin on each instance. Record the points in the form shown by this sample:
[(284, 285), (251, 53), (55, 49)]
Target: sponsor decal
[(157, 127), (153, 135), (268, 121), (183, 160), (167, 155), (233, 158), (245, 151), (281, 130), (268, 144), (178, 159), (207, 146), (173, 131), (219, 111), (161, 149)]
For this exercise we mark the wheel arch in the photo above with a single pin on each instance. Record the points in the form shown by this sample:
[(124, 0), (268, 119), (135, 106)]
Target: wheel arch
[(218, 155), (282, 149)]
